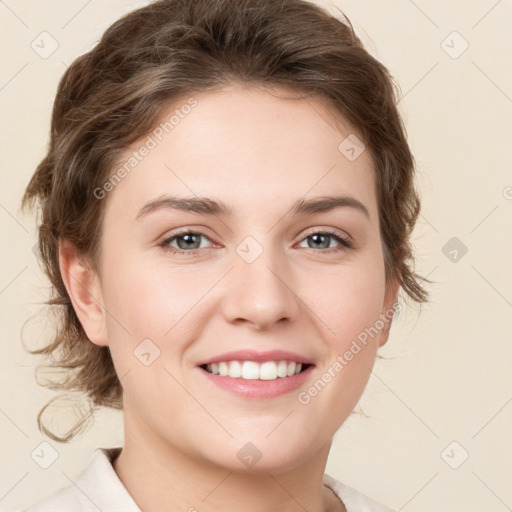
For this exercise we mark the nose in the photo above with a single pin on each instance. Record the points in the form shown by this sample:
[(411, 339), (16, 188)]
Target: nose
[(260, 293)]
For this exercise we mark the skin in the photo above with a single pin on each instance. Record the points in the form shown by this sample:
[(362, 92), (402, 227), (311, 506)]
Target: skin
[(258, 153)]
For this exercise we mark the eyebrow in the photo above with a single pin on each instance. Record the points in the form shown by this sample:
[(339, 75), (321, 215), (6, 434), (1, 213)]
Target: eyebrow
[(207, 206)]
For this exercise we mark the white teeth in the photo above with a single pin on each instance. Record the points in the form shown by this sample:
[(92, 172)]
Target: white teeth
[(235, 369), (223, 369), (268, 371), (282, 369), (250, 370)]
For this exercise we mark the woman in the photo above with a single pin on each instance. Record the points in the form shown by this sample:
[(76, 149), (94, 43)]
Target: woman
[(226, 206)]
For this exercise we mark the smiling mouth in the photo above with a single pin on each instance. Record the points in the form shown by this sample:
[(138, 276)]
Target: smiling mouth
[(251, 370)]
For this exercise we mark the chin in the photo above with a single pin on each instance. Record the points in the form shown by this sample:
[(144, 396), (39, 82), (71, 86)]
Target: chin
[(257, 454)]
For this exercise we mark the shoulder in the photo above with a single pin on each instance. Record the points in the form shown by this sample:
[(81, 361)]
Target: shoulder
[(64, 499), (353, 500), (96, 487)]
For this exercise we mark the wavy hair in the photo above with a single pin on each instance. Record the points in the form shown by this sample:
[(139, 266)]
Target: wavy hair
[(113, 95)]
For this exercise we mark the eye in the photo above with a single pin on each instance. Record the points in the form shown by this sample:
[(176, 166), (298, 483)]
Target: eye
[(323, 239), (185, 240), (189, 242)]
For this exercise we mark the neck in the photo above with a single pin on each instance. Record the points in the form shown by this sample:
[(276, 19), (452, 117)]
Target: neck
[(158, 475)]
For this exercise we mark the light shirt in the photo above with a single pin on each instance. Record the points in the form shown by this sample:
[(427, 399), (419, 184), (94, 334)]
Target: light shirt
[(98, 488)]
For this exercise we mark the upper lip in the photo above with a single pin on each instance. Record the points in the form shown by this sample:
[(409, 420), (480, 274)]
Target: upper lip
[(257, 356)]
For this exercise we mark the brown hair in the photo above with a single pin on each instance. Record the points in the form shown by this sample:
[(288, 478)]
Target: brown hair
[(113, 95)]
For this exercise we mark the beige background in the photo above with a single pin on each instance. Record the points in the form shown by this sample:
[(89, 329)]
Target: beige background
[(449, 378)]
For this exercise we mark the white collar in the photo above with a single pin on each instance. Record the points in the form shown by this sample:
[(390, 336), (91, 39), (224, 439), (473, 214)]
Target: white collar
[(98, 488)]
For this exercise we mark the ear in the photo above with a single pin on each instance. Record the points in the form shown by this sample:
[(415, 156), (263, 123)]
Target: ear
[(389, 302), (84, 289)]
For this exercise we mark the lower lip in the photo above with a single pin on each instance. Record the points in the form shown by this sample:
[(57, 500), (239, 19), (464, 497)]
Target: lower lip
[(259, 388)]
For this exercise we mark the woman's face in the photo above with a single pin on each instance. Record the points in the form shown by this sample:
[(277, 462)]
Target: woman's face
[(259, 278)]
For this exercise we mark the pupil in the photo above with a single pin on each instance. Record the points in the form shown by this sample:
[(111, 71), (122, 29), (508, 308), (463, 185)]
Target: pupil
[(188, 240), (316, 236)]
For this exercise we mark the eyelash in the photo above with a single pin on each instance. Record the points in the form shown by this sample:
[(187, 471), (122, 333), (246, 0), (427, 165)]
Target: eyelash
[(344, 242)]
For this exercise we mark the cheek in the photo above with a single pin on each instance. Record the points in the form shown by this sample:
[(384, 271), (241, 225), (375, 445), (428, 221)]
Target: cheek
[(348, 302), (352, 305), (138, 293), (152, 302)]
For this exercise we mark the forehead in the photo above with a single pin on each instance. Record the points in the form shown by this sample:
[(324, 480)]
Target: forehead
[(250, 147)]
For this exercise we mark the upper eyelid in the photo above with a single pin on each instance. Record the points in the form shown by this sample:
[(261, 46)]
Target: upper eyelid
[(329, 231)]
